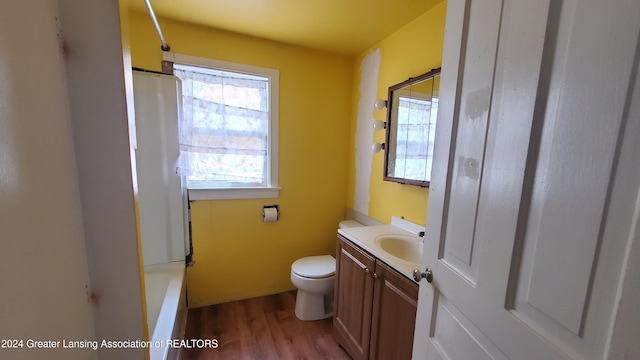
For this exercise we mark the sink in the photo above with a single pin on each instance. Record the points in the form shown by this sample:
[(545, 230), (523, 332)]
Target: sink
[(408, 248)]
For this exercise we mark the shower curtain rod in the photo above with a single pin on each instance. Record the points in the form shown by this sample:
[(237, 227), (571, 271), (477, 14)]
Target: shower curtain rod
[(164, 46)]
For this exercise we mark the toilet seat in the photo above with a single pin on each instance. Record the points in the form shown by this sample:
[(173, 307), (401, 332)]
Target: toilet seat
[(315, 267)]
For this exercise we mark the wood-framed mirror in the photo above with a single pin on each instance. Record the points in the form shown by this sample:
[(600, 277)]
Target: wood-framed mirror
[(411, 126)]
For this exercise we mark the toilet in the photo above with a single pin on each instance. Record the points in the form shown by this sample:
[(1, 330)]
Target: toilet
[(314, 277)]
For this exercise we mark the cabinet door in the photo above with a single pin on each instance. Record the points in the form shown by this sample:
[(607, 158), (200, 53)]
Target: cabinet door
[(394, 314), (353, 299)]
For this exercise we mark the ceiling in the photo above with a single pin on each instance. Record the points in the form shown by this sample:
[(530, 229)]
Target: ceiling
[(341, 26)]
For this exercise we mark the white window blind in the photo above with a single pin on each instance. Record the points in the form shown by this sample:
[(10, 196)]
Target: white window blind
[(224, 131)]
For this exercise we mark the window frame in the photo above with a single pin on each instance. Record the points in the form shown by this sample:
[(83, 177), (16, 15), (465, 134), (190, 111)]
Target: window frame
[(271, 190)]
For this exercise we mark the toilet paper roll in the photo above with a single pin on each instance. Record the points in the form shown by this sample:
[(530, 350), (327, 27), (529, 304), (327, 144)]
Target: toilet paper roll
[(269, 214)]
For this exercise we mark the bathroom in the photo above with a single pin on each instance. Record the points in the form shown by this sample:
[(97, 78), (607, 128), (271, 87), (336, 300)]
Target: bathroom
[(95, 280), (76, 250), (326, 170), (325, 134)]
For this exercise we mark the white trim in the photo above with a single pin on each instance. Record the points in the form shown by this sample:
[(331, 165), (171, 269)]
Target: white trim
[(272, 189), (234, 193), (218, 71)]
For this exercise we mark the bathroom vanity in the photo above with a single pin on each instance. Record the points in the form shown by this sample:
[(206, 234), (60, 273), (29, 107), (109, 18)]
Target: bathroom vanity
[(375, 298)]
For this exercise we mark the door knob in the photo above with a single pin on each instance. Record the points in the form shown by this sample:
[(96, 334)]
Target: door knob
[(427, 274)]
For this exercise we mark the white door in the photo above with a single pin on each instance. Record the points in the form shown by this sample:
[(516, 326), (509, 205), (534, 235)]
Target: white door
[(535, 179)]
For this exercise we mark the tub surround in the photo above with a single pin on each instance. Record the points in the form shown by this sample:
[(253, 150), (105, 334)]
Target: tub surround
[(162, 208)]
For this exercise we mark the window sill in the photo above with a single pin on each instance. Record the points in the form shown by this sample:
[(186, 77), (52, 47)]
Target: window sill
[(233, 193)]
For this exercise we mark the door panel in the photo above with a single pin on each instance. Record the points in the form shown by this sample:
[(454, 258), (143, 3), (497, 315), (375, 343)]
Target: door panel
[(527, 220), (353, 299), (577, 148), (476, 78), (458, 337)]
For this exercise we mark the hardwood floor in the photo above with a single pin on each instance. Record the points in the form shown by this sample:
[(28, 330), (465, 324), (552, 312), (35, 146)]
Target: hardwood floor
[(260, 328)]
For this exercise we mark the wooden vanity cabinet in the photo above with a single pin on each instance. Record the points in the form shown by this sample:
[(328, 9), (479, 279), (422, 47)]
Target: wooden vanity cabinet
[(395, 302), (374, 306), (353, 299)]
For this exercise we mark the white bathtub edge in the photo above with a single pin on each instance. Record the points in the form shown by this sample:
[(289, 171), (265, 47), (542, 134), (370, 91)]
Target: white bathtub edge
[(168, 326)]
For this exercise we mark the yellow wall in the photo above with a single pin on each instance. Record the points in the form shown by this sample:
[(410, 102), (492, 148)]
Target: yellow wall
[(410, 51), (237, 255)]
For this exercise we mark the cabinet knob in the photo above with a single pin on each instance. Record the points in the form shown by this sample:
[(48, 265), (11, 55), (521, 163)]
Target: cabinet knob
[(427, 274), (366, 271)]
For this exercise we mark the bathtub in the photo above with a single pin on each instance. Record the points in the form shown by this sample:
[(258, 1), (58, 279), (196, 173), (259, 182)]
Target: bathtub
[(165, 287)]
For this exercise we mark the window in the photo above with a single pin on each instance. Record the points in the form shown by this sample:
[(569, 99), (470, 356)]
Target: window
[(228, 131), (416, 123)]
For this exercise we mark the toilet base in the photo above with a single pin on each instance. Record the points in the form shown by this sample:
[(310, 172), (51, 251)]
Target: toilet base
[(310, 307)]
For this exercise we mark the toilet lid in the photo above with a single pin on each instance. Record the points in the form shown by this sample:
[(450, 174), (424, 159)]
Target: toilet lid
[(315, 266)]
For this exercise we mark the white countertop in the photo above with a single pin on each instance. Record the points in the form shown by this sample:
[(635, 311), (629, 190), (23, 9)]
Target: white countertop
[(364, 237)]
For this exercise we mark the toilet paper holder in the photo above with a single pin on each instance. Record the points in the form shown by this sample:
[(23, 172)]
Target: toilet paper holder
[(268, 213)]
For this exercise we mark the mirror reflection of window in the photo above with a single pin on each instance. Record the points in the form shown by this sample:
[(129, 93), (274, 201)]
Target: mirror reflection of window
[(411, 127), (414, 125)]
